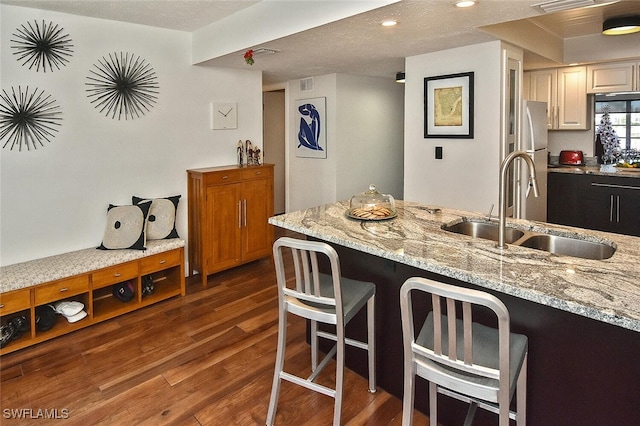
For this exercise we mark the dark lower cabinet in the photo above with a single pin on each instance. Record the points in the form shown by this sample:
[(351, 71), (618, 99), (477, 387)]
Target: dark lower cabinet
[(564, 204), (613, 205), (603, 203)]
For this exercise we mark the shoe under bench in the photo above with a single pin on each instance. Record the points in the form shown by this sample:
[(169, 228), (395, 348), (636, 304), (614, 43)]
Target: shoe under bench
[(88, 276)]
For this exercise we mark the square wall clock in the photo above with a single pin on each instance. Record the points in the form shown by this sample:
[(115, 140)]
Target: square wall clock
[(224, 115)]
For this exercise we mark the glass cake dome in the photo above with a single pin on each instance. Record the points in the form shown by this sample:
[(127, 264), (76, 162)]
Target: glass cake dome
[(372, 205)]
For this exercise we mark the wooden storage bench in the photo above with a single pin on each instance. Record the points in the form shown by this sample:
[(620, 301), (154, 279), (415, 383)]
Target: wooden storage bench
[(88, 276)]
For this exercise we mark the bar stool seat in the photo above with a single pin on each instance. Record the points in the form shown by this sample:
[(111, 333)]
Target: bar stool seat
[(474, 363), (320, 298)]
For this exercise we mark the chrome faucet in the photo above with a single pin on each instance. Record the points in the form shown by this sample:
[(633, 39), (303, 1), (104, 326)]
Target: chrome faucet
[(502, 198)]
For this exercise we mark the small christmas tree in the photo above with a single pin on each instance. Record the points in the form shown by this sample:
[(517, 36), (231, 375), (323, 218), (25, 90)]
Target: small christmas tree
[(608, 138)]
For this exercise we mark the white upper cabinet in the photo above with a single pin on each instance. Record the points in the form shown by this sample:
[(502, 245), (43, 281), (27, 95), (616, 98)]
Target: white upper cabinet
[(565, 92), (613, 77)]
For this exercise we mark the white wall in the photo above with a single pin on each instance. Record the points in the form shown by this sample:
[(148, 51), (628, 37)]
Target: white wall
[(582, 140), (311, 181), (370, 140), (364, 141), (54, 199), (467, 176)]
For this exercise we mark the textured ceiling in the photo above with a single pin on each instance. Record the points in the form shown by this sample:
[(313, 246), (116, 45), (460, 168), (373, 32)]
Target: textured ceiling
[(356, 45), (182, 15)]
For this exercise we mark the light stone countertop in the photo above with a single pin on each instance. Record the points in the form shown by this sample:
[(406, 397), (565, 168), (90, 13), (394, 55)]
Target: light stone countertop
[(605, 290), (38, 271), (594, 170)]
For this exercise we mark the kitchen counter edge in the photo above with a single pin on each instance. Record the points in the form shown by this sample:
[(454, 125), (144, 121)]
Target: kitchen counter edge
[(604, 290)]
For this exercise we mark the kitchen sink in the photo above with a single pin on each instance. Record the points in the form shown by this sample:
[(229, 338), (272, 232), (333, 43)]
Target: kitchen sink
[(569, 246), (484, 230), (560, 245)]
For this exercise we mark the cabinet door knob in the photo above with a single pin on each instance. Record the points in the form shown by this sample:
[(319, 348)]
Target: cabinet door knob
[(63, 289), (1, 306), (162, 262), (225, 177), (117, 274)]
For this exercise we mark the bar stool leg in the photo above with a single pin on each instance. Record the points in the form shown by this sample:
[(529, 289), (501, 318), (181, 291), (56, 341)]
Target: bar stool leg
[(371, 343), (275, 389)]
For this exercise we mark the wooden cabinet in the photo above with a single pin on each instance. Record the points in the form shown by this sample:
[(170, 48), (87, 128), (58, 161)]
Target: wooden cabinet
[(15, 301), (613, 77), (604, 203), (61, 289), (229, 208), (565, 92), (613, 204)]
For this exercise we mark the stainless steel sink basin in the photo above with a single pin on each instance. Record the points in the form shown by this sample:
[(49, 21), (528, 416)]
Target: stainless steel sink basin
[(484, 230), (562, 246), (569, 246)]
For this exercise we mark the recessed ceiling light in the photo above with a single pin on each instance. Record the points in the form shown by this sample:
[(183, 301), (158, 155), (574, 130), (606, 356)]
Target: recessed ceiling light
[(389, 23), (465, 3)]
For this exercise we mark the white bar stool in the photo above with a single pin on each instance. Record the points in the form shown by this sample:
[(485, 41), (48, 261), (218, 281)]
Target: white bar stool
[(460, 358), (329, 299)]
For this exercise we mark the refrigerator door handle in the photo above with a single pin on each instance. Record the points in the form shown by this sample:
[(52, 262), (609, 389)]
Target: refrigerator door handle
[(531, 139)]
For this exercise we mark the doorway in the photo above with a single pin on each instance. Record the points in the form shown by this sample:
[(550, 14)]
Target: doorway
[(273, 129)]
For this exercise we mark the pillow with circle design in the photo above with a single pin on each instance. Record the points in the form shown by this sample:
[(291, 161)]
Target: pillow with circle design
[(126, 227), (161, 221)]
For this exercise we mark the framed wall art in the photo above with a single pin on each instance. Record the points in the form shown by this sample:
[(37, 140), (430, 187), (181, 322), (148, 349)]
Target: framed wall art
[(311, 128), (448, 106)]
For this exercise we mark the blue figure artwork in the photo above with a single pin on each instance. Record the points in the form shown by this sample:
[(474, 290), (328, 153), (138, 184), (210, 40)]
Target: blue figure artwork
[(309, 134)]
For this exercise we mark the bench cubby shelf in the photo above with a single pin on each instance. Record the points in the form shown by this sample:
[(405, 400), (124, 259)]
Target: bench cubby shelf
[(88, 276)]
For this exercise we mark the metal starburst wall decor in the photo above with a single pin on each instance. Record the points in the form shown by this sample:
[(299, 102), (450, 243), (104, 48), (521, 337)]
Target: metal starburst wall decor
[(27, 118), (42, 46), (122, 85)]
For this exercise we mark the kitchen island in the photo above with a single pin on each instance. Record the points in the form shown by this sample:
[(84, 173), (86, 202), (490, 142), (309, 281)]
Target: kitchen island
[(582, 316)]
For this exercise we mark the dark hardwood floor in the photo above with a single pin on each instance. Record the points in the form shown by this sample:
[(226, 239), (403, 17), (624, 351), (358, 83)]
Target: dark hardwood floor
[(203, 359)]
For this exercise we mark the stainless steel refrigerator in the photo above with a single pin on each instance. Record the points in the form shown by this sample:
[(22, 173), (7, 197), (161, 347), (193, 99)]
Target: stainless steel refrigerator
[(533, 140)]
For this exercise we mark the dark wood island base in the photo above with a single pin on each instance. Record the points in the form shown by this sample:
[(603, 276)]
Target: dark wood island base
[(581, 371)]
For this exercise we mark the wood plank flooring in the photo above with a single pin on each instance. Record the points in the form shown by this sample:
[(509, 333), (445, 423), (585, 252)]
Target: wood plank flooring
[(204, 359)]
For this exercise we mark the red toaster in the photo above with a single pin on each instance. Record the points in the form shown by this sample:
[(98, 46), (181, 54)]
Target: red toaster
[(571, 158)]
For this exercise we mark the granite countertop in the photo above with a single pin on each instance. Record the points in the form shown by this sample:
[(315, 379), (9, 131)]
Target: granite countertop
[(594, 170), (605, 290)]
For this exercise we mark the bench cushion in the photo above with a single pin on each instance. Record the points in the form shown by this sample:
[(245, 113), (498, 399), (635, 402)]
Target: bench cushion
[(38, 271)]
